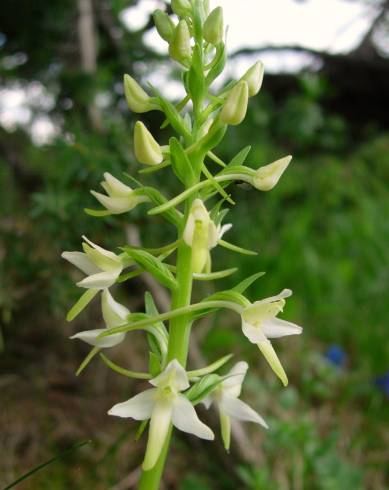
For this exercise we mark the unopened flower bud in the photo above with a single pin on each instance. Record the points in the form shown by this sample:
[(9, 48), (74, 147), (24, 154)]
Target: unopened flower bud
[(254, 78), (214, 26), (179, 47), (200, 234), (235, 107), (182, 8), (266, 177), (164, 25), (147, 150), (137, 99)]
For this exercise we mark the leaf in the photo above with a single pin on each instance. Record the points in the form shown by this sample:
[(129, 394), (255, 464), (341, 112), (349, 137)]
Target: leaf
[(203, 388), (229, 295), (174, 117), (218, 64), (157, 198), (242, 286), (47, 463), (154, 364), (211, 276), (180, 162), (235, 248), (212, 367), (153, 265), (240, 157), (97, 213), (195, 77), (81, 304), (216, 185)]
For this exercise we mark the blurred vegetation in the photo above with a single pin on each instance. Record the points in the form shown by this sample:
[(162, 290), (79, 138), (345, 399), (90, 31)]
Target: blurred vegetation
[(323, 232)]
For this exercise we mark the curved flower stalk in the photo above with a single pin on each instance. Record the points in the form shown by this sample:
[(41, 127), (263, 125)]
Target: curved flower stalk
[(200, 122), (164, 405), (226, 397)]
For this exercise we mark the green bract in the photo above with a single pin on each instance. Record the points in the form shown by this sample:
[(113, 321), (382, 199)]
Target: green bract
[(200, 121)]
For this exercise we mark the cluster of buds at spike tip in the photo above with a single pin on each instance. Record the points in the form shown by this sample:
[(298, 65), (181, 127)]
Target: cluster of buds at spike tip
[(137, 99), (146, 149), (235, 107), (120, 198), (214, 27)]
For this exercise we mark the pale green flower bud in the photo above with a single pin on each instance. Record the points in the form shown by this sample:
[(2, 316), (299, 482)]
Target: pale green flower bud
[(235, 107), (201, 234), (164, 25), (147, 150), (137, 98), (214, 27), (254, 78), (182, 8), (266, 177), (180, 48)]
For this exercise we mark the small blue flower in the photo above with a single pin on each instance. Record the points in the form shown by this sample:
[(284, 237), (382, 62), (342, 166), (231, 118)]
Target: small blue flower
[(383, 383), (336, 355)]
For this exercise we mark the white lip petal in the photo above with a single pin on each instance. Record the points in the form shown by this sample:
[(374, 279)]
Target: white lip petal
[(100, 280), (91, 338), (254, 334), (81, 261), (276, 328), (159, 428), (270, 355), (185, 418), (114, 313), (238, 410), (139, 407), (174, 375), (233, 384)]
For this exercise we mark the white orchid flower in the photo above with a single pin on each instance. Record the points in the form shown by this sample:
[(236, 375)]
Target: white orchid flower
[(164, 405), (202, 234), (226, 397), (101, 266), (114, 315), (121, 198), (259, 323)]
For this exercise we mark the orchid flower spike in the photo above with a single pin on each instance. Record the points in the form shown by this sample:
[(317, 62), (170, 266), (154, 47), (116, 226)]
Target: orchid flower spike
[(114, 315), (101, 266), (201, 234), (163, 405), (121, 198), (259, 323), (226, 397)]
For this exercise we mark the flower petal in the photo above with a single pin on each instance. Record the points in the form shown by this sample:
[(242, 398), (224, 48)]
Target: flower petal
[(185, 418), (116, 205), (139, 407), (100, 280), (276, 328), (103, 258), (285, 293), (159, 428), (117, 188), (232, 385), (238, 410), (114, 313), (81, 261), (253, 333), (225, 426), (91, 338), (174, 375), (270, 355)]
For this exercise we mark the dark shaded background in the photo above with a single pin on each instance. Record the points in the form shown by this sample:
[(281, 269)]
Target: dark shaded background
[(323, 232)]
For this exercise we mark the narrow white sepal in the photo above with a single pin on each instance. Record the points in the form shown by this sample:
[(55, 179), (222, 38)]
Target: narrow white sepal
[(139, 407), (185, 418)]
